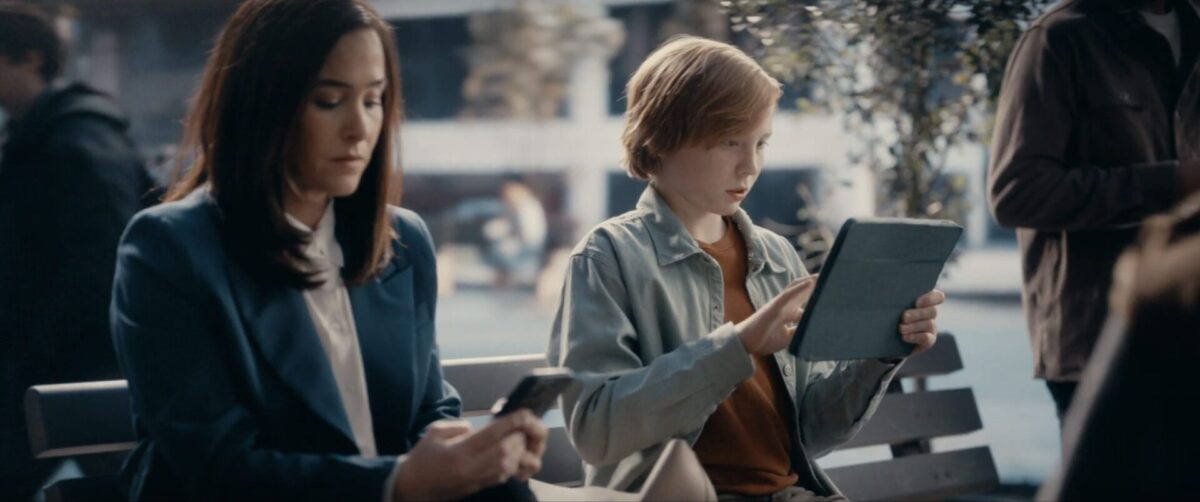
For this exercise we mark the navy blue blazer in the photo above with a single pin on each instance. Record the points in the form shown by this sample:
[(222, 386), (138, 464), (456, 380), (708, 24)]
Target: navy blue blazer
[(233, 395)]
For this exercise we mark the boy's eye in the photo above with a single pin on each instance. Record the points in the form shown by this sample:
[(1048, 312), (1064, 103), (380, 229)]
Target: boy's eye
[(762, 144), (732, 143)]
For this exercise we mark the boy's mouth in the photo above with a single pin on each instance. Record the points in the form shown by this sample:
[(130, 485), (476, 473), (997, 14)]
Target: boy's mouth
[(739, 193)]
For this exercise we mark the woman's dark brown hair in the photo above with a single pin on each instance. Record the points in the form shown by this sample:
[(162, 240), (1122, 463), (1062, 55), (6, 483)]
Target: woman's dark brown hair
[(242, 128)]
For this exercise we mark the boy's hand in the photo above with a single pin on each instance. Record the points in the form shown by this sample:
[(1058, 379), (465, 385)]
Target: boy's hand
[(771, 328), (918, 325)]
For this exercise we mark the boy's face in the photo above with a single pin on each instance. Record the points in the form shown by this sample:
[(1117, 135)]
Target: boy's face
[(715, 180)]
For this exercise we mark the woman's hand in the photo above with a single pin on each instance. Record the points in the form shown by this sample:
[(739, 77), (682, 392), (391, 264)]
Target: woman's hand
[(918, 325), (771, 328), (452, 461), (533, 442)]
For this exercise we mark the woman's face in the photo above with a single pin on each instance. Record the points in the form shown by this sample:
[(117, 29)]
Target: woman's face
[(341, 118)]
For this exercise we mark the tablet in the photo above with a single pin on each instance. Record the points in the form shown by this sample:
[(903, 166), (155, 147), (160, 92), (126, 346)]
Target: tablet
[(877, 269)]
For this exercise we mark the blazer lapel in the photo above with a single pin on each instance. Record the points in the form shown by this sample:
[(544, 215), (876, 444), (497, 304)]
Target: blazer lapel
[(383, 317), (278, 320)]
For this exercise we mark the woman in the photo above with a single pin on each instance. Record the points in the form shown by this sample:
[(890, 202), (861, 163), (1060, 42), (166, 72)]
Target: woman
[(275, 317)]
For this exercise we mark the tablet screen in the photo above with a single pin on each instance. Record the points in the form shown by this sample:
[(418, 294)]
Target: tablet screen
[(877, 269)]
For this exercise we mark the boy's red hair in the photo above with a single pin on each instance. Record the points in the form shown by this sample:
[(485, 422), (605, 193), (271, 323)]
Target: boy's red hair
[(691, 92)]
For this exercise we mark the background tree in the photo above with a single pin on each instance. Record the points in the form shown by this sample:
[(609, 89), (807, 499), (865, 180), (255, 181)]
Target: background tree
[(913, 79), (521, 58)]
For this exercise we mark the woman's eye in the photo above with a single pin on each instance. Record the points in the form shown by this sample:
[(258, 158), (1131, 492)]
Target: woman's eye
[(327, 104), (373, 103), (732, 143), (762, 144)]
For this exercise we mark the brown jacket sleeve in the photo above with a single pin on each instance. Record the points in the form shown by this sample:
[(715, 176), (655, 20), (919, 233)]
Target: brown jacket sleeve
[(1031, 182)]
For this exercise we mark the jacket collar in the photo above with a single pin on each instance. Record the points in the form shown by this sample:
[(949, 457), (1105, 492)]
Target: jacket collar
[(55, 104), (673, 243), (323, 251)]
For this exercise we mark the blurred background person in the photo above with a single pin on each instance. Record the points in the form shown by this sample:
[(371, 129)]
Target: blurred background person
[(70, 178), (1096, 129), (516, 237)]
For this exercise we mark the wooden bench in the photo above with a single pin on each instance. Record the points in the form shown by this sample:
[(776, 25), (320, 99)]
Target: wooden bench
[(70, 420)]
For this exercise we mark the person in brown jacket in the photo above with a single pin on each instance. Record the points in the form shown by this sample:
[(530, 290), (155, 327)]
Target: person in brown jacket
[(1098, 128)]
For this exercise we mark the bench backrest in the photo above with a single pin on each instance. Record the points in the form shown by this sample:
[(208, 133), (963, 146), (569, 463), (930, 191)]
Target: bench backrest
[(907, 421), (78, 419)]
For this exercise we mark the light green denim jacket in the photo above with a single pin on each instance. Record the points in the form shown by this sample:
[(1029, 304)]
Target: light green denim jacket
[(642, 323)]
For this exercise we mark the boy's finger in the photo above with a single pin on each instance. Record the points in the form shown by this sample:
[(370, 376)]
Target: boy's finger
[(931, 299), (921, 314), (923, 340), (927, 326), (804, 282)]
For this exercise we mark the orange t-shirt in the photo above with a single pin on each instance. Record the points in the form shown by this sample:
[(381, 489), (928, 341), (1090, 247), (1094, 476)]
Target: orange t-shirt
[(745, 446)]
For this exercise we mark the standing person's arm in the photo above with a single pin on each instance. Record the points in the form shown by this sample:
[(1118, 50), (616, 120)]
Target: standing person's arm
[(1030, 184), (623, 404)]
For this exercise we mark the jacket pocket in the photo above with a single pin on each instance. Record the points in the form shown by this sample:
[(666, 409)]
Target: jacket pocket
[(1118, 124)]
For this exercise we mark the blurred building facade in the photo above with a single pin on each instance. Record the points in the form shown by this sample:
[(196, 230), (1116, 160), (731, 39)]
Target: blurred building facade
[(495, 88)]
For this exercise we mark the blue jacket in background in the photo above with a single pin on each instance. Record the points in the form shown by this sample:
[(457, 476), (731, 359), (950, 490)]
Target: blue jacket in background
[(233, 395)]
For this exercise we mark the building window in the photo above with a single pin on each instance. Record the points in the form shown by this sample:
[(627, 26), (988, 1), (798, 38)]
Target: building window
[(433, 65)]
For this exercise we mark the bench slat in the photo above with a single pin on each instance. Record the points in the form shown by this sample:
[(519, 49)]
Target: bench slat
[(919, 415), (919, 477), (940, 359), (79, 418), (481, 381)]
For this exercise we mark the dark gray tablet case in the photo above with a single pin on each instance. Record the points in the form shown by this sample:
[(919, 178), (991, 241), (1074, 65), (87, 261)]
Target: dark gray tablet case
[(877, 269)]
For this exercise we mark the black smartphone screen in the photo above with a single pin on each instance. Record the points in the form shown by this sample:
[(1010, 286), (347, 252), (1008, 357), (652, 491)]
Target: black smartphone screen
[(536, 391)]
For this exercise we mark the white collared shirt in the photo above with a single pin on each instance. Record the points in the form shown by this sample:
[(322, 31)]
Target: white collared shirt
[(333, 319)]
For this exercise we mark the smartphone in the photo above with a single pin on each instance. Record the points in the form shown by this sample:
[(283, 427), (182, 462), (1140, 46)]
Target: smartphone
[(535, 392)]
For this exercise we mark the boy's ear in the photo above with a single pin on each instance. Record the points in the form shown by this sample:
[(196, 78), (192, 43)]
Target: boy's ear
[(648, 159)]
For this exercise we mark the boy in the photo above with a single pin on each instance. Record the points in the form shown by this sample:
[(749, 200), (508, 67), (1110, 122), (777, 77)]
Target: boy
[(677, 315)]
